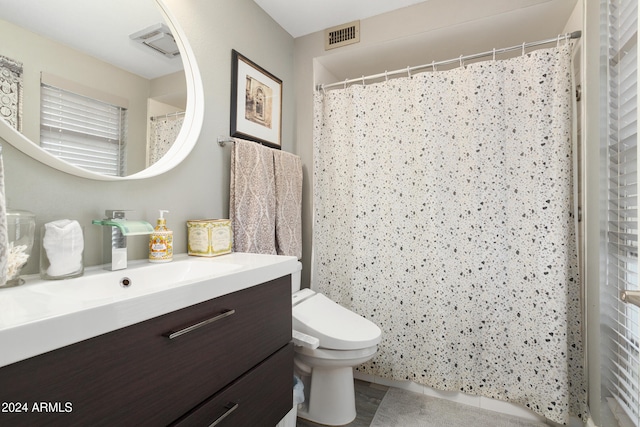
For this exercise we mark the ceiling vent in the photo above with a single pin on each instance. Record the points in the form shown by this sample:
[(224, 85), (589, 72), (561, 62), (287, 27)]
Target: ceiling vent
[(342, 35), (159, 38)]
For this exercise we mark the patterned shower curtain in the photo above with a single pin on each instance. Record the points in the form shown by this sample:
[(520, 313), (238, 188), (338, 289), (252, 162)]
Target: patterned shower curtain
[(163, 131), (11, 92), (444, 213)]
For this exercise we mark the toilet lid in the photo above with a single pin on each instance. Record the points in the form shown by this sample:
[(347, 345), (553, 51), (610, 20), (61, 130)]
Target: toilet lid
[(336, 327)]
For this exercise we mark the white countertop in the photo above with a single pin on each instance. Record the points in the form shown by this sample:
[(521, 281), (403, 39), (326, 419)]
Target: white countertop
[(43, 315)]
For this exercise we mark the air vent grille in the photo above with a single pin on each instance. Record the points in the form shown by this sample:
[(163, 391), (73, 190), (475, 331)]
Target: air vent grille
[(159, 38), (342, 35), (151, 34)]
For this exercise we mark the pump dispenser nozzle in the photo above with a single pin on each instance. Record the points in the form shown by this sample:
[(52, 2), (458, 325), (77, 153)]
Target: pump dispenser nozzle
[(161, 241), (162, 222)]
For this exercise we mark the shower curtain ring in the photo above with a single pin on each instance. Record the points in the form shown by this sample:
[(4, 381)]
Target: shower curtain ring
[(433, 65), (494, 53), (386, 76), (558, 43), (408, 71), (363, 80), (523, 52), (345, 83), (461, 63)]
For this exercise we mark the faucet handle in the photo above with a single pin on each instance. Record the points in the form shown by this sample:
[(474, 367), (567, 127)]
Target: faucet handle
[(116, 213)]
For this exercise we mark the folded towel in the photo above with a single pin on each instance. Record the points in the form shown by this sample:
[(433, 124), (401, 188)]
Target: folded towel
[(252, 200), (288, 189), (63, 243)]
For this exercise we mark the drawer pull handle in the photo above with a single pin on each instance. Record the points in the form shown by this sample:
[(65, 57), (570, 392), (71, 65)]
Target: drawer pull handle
[(230, 407), (198, 325)]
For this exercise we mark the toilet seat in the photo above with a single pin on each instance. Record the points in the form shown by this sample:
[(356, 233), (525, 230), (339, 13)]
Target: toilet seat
[(336, 327), (325, 353)]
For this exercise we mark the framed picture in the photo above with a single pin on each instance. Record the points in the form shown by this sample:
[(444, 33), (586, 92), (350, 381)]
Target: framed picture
[(256, 103)]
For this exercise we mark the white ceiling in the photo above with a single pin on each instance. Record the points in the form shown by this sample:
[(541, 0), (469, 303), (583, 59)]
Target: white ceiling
[(100, 28), (302, 17)]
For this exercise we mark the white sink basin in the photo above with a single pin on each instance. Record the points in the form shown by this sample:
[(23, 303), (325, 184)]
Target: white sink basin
[(139, 279), (43, 315)]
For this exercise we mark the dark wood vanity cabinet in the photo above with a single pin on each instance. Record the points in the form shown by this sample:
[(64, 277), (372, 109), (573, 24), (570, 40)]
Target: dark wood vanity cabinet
[(228, 359)]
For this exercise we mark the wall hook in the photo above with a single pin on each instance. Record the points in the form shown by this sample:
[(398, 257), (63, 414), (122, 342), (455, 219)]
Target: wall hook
[(222, 140)]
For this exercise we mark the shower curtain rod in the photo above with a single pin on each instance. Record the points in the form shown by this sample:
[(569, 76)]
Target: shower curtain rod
[(166, 116), (461, 59)]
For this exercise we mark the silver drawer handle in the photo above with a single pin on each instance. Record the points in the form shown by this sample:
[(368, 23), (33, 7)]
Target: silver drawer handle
[(230, 409), (172, 335), (631, 297)]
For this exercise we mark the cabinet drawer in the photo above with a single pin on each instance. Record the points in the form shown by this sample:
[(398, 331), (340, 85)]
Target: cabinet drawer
[(262, 397), (138, 376)]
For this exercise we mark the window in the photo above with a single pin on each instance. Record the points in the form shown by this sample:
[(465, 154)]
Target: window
[(85, 132), (622, 342)]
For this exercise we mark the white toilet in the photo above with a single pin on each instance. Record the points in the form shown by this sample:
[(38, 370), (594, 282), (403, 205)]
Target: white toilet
[(330, 340)]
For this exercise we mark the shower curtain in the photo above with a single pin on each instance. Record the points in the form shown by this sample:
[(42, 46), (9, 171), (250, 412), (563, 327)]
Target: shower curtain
[(163, 131), (11, 88), (443, 212)]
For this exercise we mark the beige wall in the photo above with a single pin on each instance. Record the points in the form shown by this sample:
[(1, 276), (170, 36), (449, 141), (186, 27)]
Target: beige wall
[(198, 188)]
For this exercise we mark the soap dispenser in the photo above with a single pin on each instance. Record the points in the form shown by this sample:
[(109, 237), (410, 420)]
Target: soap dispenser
[(161, 241)]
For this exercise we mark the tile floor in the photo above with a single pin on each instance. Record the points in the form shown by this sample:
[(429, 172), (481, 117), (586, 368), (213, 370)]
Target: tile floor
[(414, 409), (368, 398)]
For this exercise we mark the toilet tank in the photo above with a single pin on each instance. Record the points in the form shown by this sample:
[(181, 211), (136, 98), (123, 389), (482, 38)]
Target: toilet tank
[(296, 278)]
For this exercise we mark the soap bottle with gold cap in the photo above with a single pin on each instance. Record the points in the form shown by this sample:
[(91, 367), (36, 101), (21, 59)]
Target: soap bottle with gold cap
[(161, 241)]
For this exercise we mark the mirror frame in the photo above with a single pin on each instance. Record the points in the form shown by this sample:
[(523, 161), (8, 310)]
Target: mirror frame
[(185, 141)]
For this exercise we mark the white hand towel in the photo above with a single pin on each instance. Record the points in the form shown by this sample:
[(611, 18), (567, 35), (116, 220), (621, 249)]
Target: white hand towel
[(63, 243)]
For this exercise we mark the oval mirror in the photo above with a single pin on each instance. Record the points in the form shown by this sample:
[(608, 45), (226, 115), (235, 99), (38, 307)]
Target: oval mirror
[(131, 56)]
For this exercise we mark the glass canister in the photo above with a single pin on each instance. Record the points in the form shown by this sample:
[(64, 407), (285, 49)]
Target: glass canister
[(61, 250), (21, 227)]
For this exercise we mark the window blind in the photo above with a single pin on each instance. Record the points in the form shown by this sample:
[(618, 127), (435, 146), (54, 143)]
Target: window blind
[(83, 131), (622, 345)]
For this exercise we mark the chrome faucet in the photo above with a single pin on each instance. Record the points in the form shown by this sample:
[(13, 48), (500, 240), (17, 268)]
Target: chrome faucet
[(114, 241)]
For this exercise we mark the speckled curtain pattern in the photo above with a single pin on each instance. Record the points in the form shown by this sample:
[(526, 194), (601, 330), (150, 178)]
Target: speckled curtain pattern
[(443, 213), (163, 132)]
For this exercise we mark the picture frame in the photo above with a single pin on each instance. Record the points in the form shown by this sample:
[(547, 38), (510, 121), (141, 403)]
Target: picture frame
[(256, 102)]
